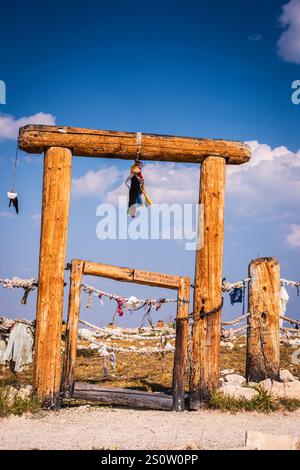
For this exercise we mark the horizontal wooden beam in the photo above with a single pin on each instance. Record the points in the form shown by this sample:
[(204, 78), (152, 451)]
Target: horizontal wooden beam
[(123, 397), (126, 145), (131, 275)]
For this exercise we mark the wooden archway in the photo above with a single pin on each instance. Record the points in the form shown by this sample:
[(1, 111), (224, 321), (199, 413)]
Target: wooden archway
[(59, 145)]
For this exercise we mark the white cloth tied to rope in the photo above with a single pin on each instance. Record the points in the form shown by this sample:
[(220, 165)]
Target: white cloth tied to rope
[(19, 346), (283, 300)]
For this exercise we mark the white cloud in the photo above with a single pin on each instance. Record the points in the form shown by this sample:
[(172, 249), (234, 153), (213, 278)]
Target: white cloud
[(95, 183), (264, 190), (6, 215), (293, 238), (9, 125), (164, 183), (289, 41)]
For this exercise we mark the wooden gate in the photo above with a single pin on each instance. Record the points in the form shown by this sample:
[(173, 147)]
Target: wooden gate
[(121, 396)]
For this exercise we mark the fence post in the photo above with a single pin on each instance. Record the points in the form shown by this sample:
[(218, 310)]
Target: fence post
[(72, 327), (55, 212), (263, 355), (208, 282)]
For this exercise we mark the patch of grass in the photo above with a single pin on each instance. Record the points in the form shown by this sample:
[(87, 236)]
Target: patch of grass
[(262, 403), (289, 404), (10, 405)]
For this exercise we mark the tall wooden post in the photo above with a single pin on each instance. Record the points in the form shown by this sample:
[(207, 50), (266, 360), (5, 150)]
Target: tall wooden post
[(181, 345), (72, 326), (208, 282), (263, 356), (55, 211)]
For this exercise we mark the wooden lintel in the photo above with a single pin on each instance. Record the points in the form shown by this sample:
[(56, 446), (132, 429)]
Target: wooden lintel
[(126, 145), (131, 275)]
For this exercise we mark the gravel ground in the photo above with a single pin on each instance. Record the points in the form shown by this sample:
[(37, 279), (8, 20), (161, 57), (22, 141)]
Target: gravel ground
[(106, 428)]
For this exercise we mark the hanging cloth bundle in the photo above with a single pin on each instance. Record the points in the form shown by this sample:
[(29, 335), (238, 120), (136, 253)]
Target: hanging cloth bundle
[(13, 195), (236, 295), (136, 187)]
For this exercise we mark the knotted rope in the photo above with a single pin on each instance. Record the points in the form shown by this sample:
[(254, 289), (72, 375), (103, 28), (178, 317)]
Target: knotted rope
[(27, 284)]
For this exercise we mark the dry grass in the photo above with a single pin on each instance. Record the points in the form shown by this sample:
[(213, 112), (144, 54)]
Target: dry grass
[(143, 372), (16, 405)]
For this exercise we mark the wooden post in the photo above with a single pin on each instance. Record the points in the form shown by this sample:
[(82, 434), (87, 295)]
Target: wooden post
[(180, 356), (263, 356), (208, 282), (72, 327), (55, 211)]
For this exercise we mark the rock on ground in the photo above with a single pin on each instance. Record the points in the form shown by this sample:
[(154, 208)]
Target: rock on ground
[(238, 392)]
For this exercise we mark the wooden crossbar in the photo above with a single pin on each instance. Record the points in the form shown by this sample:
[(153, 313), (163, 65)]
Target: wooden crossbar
[(126, 145)]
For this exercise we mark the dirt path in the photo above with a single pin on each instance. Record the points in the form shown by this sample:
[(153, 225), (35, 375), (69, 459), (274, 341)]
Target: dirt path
[(87, 428)]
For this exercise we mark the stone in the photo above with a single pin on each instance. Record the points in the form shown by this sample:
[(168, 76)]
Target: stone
[(257, 440), (266, 385), (25, 392), (238, 392), (278, 389), (286, 376), (295, 342), (227, 371), (93, 346), (292, 390), (235, 379), (2, 349), (85, 334), (227, 345)]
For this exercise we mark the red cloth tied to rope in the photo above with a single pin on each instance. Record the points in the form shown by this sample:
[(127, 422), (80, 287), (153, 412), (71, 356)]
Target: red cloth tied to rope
[(119, 309)]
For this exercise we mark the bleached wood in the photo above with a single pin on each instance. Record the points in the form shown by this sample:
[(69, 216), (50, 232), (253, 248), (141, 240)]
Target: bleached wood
[(263, 352)]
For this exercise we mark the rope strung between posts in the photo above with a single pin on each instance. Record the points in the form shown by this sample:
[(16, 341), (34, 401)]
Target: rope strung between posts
[(131, 304), (286, 282), (106, 332), (27, 284), (236, 320), (290, 320), (132, 349)]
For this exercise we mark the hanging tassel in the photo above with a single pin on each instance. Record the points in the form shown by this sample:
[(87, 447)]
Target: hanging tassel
[(13, 200), (12, 195), (89, 301)]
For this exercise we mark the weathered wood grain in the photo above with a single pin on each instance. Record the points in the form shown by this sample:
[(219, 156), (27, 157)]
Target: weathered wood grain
[(123, 397), (263, 353), (131, 275), (124, 145), (55, 211), (208, 282), (181, 344), (72, 326)]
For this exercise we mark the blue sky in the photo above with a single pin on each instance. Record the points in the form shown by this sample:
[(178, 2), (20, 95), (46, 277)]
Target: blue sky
[(195, 68)]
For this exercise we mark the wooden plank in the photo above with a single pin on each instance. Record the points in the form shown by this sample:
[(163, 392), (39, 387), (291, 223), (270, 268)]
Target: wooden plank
[(72, 326), (125, 145), (208, 282), (123, 397), (263, 352), (131, 275), (156, 279), (181, 343), (106, 270), (55, 210)]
